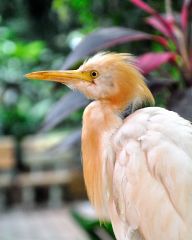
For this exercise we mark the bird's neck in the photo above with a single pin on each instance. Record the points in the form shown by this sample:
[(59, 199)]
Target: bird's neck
[(99, 123), (140, 96)]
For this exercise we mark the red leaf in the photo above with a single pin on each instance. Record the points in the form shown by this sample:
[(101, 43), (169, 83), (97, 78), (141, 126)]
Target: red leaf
[(163, 41), (184, 17), (144, 6), (151, 61), (186, 10), (154, 22), (160, 20)]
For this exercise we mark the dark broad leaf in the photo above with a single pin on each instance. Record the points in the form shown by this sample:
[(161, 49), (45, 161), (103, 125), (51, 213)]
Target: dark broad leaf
[(103, 39), (156, 84), (181, 103), (63, 108), (149, 62), (186, 11), (70, 142)]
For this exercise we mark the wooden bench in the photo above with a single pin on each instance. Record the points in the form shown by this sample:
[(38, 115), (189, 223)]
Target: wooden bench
[(50, 168), (7, 165), (54, 171), (54, 181)]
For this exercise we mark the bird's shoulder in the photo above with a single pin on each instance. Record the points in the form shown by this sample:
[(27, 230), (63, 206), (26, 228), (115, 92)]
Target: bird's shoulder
[(152, 125)]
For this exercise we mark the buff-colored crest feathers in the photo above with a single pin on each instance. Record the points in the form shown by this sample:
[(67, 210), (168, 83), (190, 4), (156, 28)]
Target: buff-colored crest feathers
[(106, 57)]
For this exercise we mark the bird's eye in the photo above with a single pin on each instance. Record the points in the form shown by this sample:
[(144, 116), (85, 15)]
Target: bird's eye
[(94, 74)]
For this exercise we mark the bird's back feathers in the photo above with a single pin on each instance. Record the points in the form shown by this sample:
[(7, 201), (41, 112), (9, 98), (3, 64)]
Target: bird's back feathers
[(152, 177)]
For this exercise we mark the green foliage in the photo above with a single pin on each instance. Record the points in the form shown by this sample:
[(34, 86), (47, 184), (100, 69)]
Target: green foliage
[(62, 9), (18, 96), (86, 16), (82, 9), (91, 226), (39, 39)]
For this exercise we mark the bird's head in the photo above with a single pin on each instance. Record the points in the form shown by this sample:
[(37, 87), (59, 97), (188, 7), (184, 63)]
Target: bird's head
[(109, 77)]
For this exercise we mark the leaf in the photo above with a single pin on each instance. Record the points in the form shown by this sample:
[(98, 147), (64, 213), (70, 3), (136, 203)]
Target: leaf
[(163, 41), (156, 84), (162, 21), (144, 6), (181, 103), (63, 108), (67, 143), (186, 10), (102, 39), (154, 22), (151, 61)]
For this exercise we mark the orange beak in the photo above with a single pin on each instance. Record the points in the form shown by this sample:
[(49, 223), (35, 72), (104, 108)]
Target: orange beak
[(65, 77)]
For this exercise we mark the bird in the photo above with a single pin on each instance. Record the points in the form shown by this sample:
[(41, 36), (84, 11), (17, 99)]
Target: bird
[(137, 169)]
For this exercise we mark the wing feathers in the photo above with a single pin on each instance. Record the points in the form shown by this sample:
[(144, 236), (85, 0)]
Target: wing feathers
[(152, 178)]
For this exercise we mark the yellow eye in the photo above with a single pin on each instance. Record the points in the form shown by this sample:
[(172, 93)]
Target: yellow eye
[(94, 74)]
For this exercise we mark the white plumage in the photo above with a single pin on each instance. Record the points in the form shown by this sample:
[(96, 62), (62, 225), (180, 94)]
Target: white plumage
[(152, 177)]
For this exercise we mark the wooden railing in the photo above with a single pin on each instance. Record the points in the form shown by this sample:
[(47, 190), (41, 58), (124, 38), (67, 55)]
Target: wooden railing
[(59, 174)]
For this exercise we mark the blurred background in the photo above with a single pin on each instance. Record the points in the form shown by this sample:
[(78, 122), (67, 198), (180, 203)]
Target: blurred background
[(42, 193)]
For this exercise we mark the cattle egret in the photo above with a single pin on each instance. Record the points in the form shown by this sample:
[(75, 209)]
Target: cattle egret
[(138, 169)]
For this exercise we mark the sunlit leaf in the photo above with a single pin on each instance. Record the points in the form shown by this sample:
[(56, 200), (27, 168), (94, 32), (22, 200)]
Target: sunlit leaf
[(68, 142), (63, 108)]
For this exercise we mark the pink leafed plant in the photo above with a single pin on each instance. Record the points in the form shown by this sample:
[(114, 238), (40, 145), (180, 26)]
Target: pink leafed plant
[(176, 32), (175, 38)]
